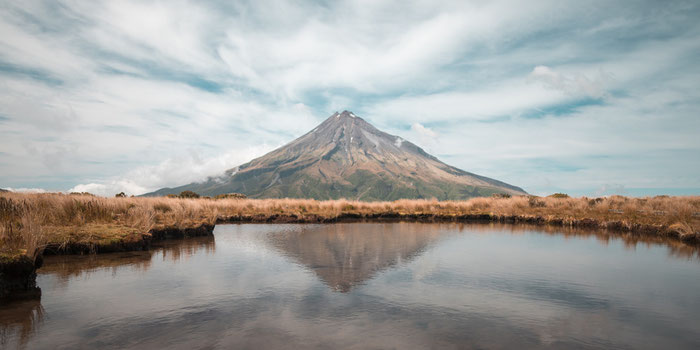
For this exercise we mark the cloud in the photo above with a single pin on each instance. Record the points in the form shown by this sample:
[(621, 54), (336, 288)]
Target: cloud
[(422, 130), (184, 169), (611, 189), (27, 190), (507, 98), (423, 136), (577, 85)]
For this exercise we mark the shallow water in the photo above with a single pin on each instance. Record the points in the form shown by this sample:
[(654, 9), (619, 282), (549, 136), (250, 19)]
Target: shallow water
[(368, 285)]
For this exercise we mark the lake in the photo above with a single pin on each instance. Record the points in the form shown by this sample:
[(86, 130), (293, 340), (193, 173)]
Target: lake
[(369, 285)]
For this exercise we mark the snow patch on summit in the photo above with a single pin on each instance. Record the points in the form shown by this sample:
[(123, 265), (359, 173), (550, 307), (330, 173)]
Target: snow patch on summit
[(398, 142)]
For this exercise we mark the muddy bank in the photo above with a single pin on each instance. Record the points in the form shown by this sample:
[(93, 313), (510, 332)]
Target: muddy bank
[(174, 232), (140, 242), (18, 278), (18, 275), (586, 223)]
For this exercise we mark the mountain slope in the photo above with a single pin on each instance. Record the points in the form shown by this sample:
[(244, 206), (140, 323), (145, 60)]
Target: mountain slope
[(346, 157)]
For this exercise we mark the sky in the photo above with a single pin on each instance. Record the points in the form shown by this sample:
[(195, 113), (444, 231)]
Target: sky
[(583, 97)]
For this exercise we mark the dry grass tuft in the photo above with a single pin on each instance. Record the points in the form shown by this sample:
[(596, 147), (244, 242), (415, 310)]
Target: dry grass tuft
[(21, 231)]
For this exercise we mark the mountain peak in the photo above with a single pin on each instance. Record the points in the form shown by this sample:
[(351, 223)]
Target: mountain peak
[(343, 124), (344, 116), (347, 157)]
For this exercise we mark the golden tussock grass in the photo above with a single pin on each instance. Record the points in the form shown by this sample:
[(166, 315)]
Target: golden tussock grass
[(29, 222)]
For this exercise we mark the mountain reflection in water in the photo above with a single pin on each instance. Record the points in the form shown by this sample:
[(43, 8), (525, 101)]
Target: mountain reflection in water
[(343, 256), (370, 285)]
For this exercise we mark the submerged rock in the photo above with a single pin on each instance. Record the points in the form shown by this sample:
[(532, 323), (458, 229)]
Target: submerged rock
[(18, 277)]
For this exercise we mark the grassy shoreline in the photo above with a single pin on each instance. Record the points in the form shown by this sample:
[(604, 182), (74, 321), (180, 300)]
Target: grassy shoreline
[(32, 223)]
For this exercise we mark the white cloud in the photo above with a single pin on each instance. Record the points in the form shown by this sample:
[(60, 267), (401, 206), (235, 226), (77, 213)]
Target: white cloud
[(512, 97), (424, 137), (577, 85), (607, 189), (188, 168), (422, 130), (26, 190)]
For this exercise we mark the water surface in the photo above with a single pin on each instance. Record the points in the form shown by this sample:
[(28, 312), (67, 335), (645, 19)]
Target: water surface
[(369, 285)]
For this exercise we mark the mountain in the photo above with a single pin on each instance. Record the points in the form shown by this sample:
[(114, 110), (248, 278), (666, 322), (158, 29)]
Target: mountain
[(346, 157)]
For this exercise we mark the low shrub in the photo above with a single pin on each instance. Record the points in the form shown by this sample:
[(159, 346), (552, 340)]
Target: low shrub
[(81, 194), (535, 202), (594, 201), (231, 196), (162, 207), (188, 194)]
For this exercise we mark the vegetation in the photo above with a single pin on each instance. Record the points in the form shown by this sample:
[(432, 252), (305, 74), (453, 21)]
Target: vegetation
[(30, 222), (21, 231), (188, 194), (231, 196)]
